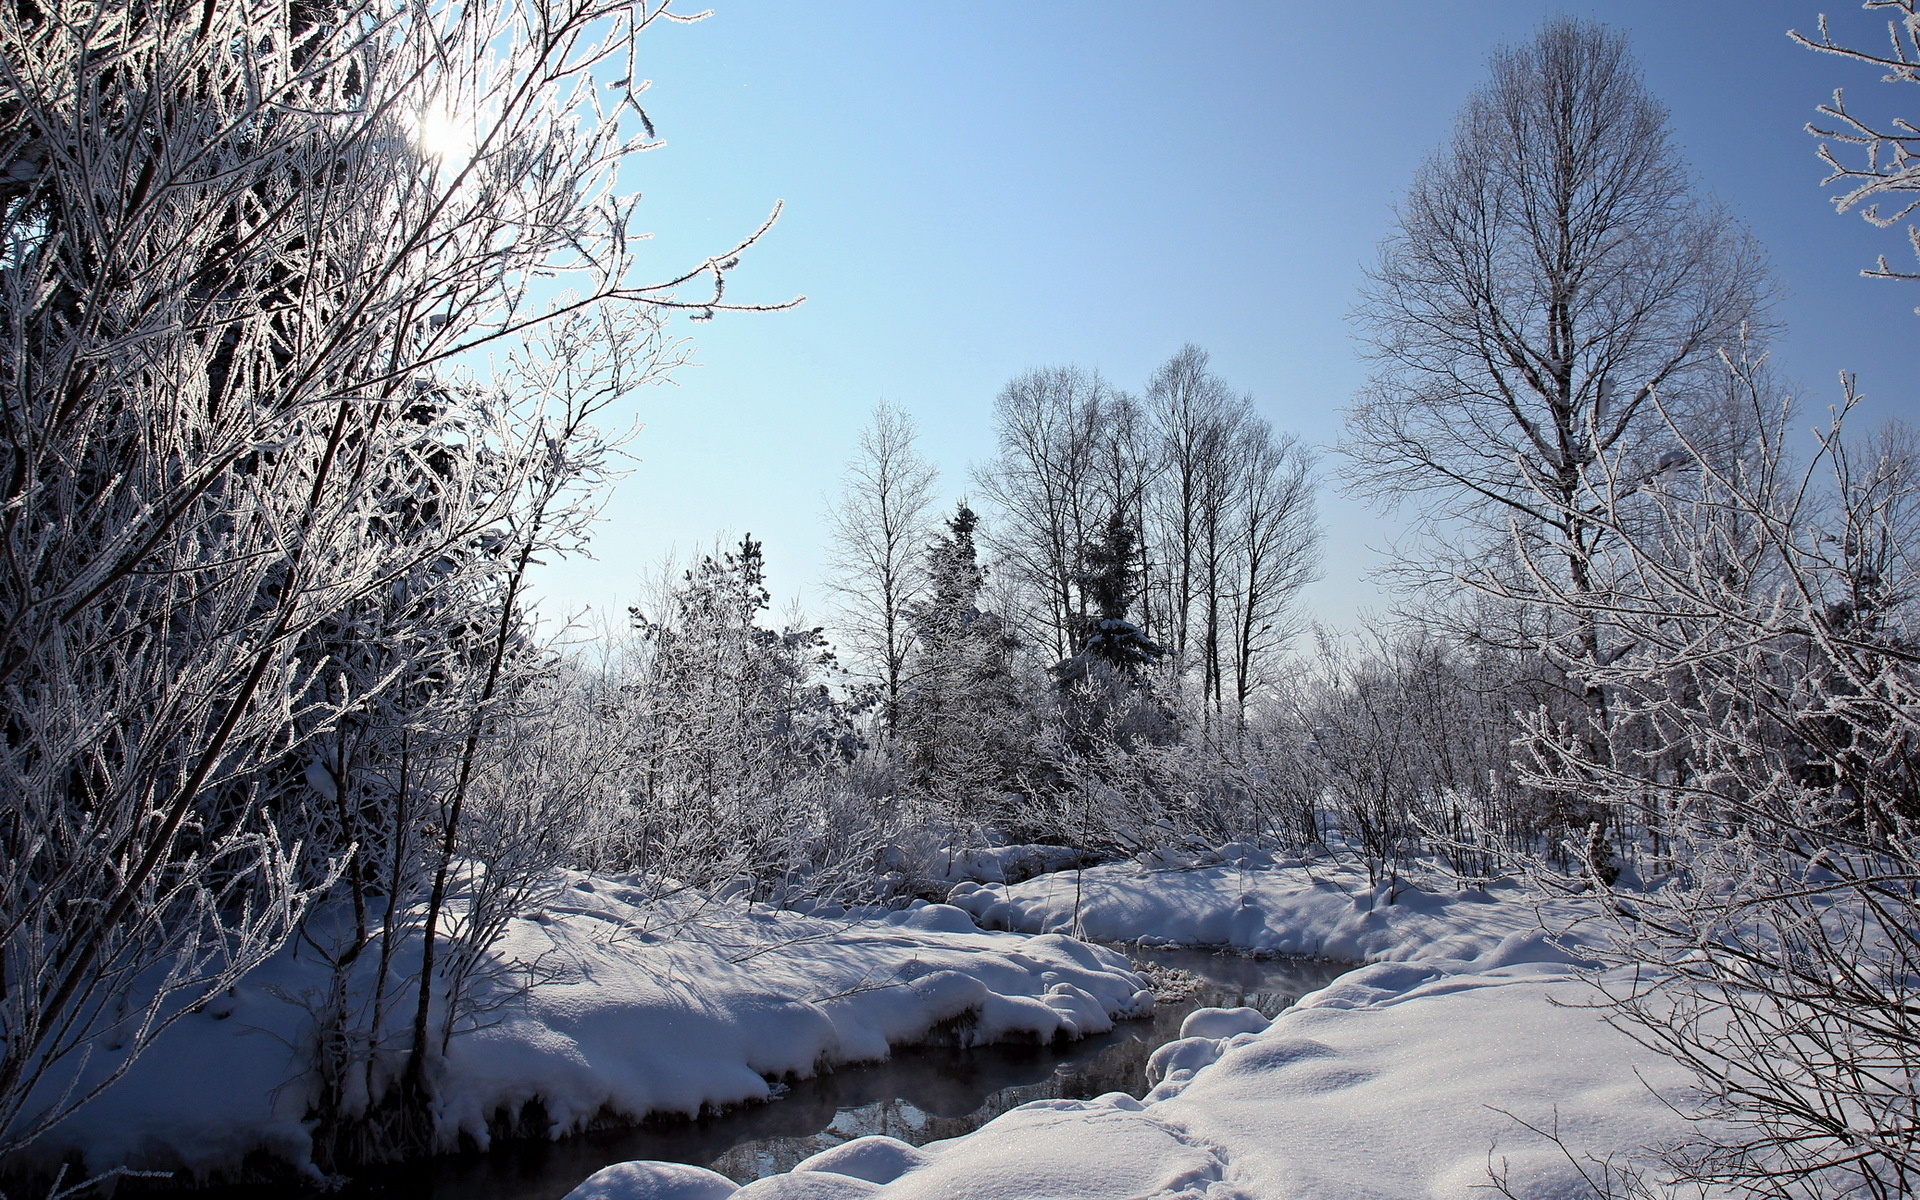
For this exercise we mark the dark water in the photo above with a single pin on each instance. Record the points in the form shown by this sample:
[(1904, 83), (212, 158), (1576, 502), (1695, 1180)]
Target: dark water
[(919, 1096)]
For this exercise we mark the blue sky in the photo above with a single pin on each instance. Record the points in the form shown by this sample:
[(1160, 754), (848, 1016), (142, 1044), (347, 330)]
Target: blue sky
[(974, 189)]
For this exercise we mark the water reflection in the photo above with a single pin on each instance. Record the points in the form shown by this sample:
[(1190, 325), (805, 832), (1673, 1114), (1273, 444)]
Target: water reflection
[(918, 1096)]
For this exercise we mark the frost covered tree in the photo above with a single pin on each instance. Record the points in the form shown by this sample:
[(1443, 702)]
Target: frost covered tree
[(1886, 166), (242, 245), (1764, 610), (729, 716), (1550, 277), (879, 530), (964, 721), (1774, 651)]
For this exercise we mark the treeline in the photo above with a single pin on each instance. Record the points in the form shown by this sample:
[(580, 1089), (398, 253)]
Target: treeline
[(1106, 654), (1122, 595)]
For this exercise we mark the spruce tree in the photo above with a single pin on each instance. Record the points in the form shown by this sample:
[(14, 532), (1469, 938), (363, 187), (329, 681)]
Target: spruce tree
[(963, 724), (1107, 638)]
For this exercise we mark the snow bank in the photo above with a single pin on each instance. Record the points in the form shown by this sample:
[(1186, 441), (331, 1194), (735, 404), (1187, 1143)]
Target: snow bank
[(1415, 1076), (1009, 864), (1315, 909), (629, 1017)]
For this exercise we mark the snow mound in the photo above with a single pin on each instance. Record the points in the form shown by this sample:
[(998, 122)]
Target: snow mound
[(1223, 1022), (807, 1186), (654, 1181), (1062, 1148), (875, 1158)]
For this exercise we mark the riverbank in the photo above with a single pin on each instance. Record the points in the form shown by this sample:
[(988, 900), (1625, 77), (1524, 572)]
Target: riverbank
[(918, 1094), (1446, 1069), (1251, 902), (612, 1003)]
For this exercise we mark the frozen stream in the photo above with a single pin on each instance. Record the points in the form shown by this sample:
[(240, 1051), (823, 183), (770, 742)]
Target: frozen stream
[(920, 1095)]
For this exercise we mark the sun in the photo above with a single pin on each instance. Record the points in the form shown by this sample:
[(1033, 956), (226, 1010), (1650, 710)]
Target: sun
[(445, 136)]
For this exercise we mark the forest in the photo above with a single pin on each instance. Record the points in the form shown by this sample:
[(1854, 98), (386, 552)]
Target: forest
[(316, 323)]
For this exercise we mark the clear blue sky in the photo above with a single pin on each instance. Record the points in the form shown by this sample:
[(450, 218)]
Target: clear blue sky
[(977, 188)]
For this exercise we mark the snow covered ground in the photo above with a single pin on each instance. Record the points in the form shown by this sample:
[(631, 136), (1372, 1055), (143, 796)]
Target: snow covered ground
[(643, 1007), (1416, 1076)]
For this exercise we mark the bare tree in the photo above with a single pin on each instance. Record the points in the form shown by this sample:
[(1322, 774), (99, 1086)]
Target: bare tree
[(879, 530), (1276, 542), (1551, 274), (1231, 534), (1188, 403), (1046, 484)]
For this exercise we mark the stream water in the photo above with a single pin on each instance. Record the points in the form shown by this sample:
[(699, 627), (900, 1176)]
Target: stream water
[(920, 1095)]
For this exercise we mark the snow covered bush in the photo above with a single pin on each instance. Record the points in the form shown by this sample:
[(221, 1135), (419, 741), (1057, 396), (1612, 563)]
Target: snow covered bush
[(1771, 616), (244, 246)]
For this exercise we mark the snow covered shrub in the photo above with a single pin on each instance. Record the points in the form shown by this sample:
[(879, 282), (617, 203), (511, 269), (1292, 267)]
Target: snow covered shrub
[(243, 246), (738, 746), (1409, 746), (1775, 638)]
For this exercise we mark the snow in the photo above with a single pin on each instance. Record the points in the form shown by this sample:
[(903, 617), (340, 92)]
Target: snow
[(1415, 1076), (643, 1006), (659, 1180), (876, 1159), (1223, 1022), (1316, 909)]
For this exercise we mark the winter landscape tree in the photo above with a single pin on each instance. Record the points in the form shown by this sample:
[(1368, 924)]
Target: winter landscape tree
[(1549, 278)]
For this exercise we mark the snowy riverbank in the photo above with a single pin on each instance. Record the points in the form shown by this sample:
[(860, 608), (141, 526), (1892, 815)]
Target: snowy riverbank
[(1415, 1076), (641, 1006)]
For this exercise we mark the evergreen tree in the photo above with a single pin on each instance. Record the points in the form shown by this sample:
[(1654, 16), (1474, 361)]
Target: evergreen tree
[(731, 707), (1111, 581), (963, 725)]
